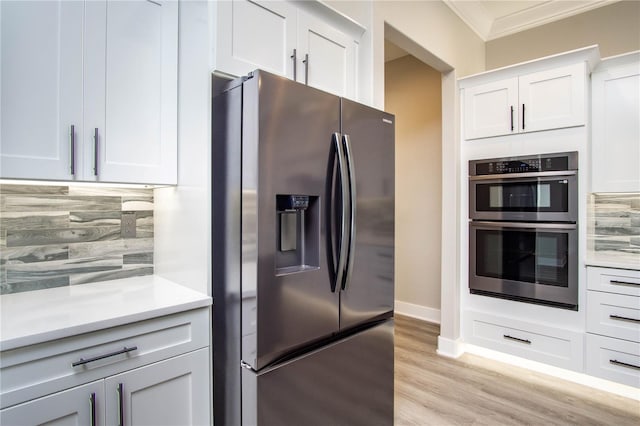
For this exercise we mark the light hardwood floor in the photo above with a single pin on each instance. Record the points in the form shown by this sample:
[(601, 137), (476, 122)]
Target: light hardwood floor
[(432, 390)]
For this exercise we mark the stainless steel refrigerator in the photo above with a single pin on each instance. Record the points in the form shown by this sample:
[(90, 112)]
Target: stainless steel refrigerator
[(303, 250)]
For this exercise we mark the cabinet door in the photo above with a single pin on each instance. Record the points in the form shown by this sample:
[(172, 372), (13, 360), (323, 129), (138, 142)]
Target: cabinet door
[(331, 61), (171, 392), (40, 87), (616, 129), (552, 99), (491, 109), (71, 407), (131, 91), (256, 34)]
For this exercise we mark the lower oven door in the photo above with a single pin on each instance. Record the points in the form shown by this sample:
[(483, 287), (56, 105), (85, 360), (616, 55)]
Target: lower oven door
[(532, 262)]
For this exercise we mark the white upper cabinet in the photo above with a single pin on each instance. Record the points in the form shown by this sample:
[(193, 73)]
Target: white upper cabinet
[(107, 70), (256, 34), (552, 99), (40, 87), (328, 56), (491, 109), (279, 37), (615, 144), (131, 72), (541, 95)]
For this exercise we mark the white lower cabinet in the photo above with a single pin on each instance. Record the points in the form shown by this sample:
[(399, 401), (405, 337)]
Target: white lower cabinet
[(76, 406), (152, 372), (554, 346), (613, 325)]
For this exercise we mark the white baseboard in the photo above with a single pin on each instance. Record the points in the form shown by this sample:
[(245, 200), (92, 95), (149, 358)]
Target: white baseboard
[(571, 376), (418, 311), (450, 348)]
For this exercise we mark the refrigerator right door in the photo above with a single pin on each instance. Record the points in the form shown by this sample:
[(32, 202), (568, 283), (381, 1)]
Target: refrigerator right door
[(368, 290)]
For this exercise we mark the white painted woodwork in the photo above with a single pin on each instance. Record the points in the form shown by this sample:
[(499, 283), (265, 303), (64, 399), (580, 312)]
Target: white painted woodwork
[(331, 64), (600, 351), (554, 346), (544, 100), (613, 315), (620, 281), (615, 144), (171, 392), (40, 87), (552, 99), (66, 408), (491, 109), (110, 66), (131, 91), (256, 34), (33, 371)]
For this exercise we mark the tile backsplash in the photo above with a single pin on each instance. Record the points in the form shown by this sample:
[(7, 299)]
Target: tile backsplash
[(614, 227), (52, 236)]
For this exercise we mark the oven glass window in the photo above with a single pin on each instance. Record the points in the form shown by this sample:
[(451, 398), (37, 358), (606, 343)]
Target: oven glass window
[(528, 256), (534, 196)]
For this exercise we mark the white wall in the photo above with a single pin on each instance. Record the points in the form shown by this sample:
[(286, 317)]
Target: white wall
[(183, 213), (413, 94)]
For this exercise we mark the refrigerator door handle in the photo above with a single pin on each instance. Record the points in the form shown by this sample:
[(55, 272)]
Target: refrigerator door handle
[(342, 252), (352, 210)]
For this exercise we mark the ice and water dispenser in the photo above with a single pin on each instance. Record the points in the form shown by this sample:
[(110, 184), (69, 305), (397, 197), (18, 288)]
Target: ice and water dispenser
[(298, 233)]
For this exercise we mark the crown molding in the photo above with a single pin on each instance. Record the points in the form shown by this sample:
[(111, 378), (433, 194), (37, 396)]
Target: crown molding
[(474, 14)]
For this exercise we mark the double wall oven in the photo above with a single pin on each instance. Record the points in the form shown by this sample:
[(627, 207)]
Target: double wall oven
[(523, 238)]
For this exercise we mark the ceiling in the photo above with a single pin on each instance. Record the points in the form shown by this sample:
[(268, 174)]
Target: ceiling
[(492, 19)]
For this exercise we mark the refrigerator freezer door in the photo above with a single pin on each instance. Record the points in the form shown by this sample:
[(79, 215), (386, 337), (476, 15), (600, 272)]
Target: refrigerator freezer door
[(368, 292), (287, 300), (347, 383)]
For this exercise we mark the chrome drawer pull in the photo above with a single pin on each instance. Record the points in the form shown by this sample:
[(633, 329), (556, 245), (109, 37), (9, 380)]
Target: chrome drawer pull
[(623, 283), (623, 364), (619, 318), (506, 336), (83, 361)]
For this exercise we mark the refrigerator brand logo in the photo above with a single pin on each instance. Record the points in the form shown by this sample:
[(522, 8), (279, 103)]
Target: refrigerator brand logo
[(386, 120)]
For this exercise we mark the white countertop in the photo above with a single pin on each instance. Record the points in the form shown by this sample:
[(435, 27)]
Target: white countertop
[(613, 260), (37, 316)]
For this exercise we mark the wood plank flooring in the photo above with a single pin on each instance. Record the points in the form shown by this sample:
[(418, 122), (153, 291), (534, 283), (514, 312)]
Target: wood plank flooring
[(433, 390)]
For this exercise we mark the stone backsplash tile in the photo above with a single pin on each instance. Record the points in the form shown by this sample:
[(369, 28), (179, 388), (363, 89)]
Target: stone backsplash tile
[(613, 228), (52, 236)]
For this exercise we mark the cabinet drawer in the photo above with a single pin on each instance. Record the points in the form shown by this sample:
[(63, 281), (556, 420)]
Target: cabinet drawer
[(613, 315), (562, 348), (621, 281), (613, 359), (34, 371)]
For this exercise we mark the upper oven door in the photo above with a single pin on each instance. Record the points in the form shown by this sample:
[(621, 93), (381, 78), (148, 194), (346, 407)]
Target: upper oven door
[(531, 197)]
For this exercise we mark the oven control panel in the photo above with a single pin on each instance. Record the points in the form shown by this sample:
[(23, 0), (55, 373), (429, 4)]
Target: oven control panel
[(529, 164)]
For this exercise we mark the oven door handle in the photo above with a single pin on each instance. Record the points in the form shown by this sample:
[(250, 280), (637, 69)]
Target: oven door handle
[(527, 225), (524, 175)]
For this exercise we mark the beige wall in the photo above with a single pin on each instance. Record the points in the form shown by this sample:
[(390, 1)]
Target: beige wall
[(616, 28), (413, 94)]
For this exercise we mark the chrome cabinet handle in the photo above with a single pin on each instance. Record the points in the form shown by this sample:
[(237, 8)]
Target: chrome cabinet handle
[(616, 282), (95, 151), (72, 141), (120, 391), (352, 209), (623, 364), (294, 57), (83, 361), (306, 68), (515, 339), (92, 405), (619, 318)]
